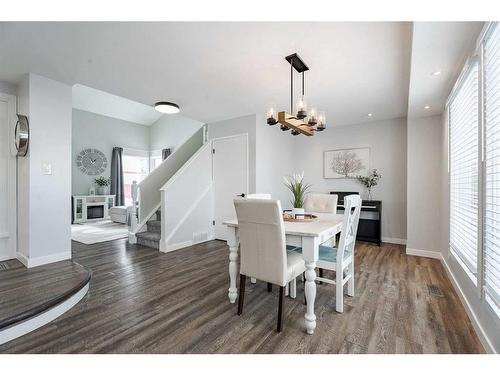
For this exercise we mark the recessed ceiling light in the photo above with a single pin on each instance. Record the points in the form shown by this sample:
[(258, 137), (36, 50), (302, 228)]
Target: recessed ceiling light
[(436, 73), (167, 107), (427, 107), (370, 114)]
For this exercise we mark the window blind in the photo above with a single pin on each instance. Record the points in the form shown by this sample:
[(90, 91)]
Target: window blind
[(491, 80), (464, 169)]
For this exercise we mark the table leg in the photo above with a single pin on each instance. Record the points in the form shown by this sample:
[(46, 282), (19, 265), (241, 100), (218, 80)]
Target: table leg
[(234, 263), (310, 251)]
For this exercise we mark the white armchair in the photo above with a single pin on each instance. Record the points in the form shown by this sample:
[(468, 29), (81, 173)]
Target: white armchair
[(264, 255)]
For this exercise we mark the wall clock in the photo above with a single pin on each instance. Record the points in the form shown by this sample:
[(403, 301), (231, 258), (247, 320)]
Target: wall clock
[(21, 136), (91, 161)]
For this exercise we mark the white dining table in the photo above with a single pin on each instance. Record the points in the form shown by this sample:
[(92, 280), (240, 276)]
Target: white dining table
[(308, 235)]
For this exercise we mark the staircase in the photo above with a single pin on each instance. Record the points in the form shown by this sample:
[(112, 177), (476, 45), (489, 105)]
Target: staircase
[(181, 187), (152, 236)]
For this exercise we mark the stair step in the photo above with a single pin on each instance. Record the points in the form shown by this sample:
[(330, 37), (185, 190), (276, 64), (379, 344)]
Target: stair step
[(149, 239), (154, 226)]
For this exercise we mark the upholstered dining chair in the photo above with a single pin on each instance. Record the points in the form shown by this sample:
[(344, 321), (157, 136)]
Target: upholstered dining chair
[(263, 252), (321, 203), (340, 258)]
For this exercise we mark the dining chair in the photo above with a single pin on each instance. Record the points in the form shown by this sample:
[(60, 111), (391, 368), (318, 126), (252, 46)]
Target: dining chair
[(263, 252), (259, 196), (340, 258)]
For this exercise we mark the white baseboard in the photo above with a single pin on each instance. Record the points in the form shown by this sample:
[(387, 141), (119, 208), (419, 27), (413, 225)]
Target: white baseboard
[(7, 257), (397, 241), (43, 318), (473, 318), (165, 248), (424, 253), (40, 261)]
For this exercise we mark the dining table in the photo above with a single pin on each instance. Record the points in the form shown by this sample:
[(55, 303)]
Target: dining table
[(307, 235)]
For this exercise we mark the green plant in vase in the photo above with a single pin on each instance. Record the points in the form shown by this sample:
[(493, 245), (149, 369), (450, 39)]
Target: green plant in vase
[(370, 181), (295, 183), (102, 184)]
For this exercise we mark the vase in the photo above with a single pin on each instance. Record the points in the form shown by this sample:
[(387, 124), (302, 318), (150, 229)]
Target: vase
[(369, 194), (102, 190), (298, 213)]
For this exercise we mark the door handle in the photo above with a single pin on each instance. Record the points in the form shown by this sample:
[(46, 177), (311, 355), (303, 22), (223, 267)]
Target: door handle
[(241, 195)]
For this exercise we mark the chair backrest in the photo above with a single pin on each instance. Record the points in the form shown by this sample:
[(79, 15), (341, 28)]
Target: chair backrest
[(323, 203), (259, 196), (352, 205), (262, 239)]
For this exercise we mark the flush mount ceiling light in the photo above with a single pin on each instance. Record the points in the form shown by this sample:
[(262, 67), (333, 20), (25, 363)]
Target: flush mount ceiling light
[(304, 121), (436, 73), (167, 107)]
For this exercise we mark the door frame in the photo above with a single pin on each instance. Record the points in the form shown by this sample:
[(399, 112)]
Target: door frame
[(11, 235), (247, 163)]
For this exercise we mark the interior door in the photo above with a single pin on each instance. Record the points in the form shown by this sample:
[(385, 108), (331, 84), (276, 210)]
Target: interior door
[(230, 158), (7, 179)]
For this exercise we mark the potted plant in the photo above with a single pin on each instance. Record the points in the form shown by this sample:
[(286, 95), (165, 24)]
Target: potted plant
[(295, 183), (370, 181), (102, 184)]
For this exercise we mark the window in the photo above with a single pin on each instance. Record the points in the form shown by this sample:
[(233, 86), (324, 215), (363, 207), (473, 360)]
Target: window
[(154, 159), (135, 168), (491, 69), (464, 169)]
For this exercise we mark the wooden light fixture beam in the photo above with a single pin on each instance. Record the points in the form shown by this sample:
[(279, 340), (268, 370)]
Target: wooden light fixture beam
[(294, 123)]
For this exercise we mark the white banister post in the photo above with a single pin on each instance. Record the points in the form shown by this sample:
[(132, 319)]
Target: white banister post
[(133, 214)]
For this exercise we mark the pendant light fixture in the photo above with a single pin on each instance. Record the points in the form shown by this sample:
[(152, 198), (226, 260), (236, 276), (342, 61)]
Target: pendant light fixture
[(303, 121)]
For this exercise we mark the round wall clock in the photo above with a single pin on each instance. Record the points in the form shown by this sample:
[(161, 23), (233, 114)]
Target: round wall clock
[(21, 136), (91, 161)]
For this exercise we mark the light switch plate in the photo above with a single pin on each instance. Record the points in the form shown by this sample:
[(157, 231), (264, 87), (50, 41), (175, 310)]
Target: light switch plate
[(46, 168)]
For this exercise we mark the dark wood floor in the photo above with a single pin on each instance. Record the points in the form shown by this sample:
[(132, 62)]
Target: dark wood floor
[(143, 301), (25, 293)]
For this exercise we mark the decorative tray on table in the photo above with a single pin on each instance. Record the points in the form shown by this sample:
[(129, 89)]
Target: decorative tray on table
[(288, 216)]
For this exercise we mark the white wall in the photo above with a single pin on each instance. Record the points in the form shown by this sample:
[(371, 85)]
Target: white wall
[(234, 126), (104, 133), (43, 200), (171, 131), (424, 187), (387, 142), (8, 88)]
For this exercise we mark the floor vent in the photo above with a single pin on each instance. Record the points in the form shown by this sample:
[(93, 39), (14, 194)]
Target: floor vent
[(4, 266), (435, 291), (200, 237)]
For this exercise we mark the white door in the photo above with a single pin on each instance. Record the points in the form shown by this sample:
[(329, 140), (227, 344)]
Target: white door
[(230, 160), (7, 179)]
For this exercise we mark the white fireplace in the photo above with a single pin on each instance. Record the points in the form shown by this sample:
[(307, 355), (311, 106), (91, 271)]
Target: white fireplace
[(92, 207)]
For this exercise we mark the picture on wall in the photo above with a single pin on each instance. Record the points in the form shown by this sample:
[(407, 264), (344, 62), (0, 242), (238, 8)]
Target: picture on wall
[(346, 163)]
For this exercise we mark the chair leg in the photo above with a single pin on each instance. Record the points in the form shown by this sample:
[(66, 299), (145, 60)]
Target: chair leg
[(293, 288), (241, 298), (339, 286), (350, 283), (320, 274), (287, 289), (280, 308), (269, 287)]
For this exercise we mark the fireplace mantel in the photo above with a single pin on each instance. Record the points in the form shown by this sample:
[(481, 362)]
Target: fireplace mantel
[(92, 207)]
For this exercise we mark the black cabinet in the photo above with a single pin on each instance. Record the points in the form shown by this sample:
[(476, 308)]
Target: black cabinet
[(369, 229)]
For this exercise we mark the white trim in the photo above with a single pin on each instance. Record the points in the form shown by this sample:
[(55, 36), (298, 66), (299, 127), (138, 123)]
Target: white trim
[(40, 261), (164, 248), (397, 241), (6, 257), (488, 346), (424, 253), (42, 319)]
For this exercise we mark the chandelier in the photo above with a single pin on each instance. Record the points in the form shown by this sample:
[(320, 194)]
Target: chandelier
[(303, 121)]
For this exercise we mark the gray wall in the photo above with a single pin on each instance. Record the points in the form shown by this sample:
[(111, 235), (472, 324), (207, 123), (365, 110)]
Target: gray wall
[(234, 126), (387, 141), (8, 88), (171, 131), (103, 133), (425, 180)]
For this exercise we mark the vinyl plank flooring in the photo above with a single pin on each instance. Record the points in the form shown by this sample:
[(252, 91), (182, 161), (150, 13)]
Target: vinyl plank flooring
[(144, 301)]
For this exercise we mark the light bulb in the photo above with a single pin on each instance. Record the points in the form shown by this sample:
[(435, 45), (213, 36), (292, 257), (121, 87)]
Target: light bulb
[(301, 107)]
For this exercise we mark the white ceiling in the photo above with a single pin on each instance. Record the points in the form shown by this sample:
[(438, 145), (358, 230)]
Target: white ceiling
[(438, 46), (103, 103), (217, 71)]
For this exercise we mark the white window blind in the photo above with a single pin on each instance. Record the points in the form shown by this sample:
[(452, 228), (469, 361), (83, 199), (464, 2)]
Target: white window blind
[(464, 169), (491, 69)]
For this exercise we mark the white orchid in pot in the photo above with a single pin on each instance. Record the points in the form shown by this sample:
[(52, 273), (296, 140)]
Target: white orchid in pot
[(295, 183)]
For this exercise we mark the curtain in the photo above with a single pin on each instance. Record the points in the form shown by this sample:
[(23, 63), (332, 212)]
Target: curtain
[(117, 176), (165, 153)]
